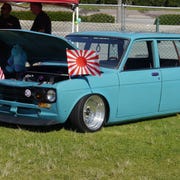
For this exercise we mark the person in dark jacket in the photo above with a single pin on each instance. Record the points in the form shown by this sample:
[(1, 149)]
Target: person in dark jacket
[(42, 22), (7, 21)]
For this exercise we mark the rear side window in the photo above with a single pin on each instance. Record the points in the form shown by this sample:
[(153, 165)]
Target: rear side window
[(169, 51), (140, 56), (139, 50)]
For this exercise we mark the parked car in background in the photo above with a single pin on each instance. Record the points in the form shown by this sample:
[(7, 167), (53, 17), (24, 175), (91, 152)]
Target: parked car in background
[(139, 78)]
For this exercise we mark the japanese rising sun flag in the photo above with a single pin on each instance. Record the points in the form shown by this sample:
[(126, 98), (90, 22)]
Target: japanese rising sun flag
[(81, 62), (1, 74)]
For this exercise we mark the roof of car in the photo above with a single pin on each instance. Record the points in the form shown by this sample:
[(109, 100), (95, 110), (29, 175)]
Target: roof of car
[(131, 35)]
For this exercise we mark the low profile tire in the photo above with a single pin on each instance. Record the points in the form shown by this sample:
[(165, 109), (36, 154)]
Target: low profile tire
[(89, 115)]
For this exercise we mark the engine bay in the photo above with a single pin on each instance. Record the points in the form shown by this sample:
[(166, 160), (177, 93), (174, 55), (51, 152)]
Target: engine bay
[(42, 73)]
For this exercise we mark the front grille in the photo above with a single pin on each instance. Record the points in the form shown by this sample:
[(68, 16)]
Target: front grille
[(17, 94)]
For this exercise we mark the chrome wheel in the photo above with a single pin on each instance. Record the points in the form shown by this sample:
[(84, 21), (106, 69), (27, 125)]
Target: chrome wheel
[(94, 112)]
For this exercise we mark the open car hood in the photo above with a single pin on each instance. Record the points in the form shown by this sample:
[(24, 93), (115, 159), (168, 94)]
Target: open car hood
[(38, 46)]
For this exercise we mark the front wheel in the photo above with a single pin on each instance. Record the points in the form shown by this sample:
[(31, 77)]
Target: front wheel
[(89, 115)]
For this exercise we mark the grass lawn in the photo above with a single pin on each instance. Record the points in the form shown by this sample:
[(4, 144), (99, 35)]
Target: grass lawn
[(148, 150)]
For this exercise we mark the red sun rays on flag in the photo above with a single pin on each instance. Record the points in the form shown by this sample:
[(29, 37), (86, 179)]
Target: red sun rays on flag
[(1, 74), (82, 62)]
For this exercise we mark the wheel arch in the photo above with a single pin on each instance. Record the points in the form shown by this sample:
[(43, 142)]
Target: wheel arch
[(90, 94)]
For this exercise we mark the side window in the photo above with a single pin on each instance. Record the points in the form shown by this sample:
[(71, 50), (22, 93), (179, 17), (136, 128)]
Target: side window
[(139, 50), (140, 56), (168, 53)]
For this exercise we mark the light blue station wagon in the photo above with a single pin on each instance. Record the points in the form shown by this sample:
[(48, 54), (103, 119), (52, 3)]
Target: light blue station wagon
[(140, 78)]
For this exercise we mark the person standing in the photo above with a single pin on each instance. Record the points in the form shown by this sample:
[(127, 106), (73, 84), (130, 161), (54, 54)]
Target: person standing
[(7, 21), (42, 22)]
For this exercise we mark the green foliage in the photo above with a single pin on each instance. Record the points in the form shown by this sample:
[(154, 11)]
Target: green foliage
[(99, 1), (54, 15), (169, 19), (23, 15), (60, 16), (89, 8), (109, 1), (142, 150), (167, 3), (174, 3), (66, 16), (88, 1), (104, 18)]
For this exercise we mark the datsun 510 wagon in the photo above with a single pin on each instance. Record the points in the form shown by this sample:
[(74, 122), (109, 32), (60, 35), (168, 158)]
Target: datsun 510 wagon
[(126, 77)]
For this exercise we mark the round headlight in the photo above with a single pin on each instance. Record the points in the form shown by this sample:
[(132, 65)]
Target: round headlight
[(51, 95)]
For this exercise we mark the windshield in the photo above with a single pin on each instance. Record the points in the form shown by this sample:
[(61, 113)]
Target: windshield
[(109, 49)]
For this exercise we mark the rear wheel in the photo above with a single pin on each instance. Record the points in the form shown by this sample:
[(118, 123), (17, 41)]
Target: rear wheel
[(89, 115)]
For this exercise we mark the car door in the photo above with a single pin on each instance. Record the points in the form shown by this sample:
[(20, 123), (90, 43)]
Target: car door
[(169, 55), (140, 82)]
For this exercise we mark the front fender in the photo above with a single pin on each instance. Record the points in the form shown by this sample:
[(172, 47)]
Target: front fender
[(68, 94), (108, 87)]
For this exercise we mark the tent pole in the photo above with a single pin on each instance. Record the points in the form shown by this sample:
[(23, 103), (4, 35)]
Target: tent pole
[(77, 18), (73, 20)]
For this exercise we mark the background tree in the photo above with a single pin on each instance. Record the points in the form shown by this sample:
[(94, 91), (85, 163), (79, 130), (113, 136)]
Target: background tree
[(167, 3)]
